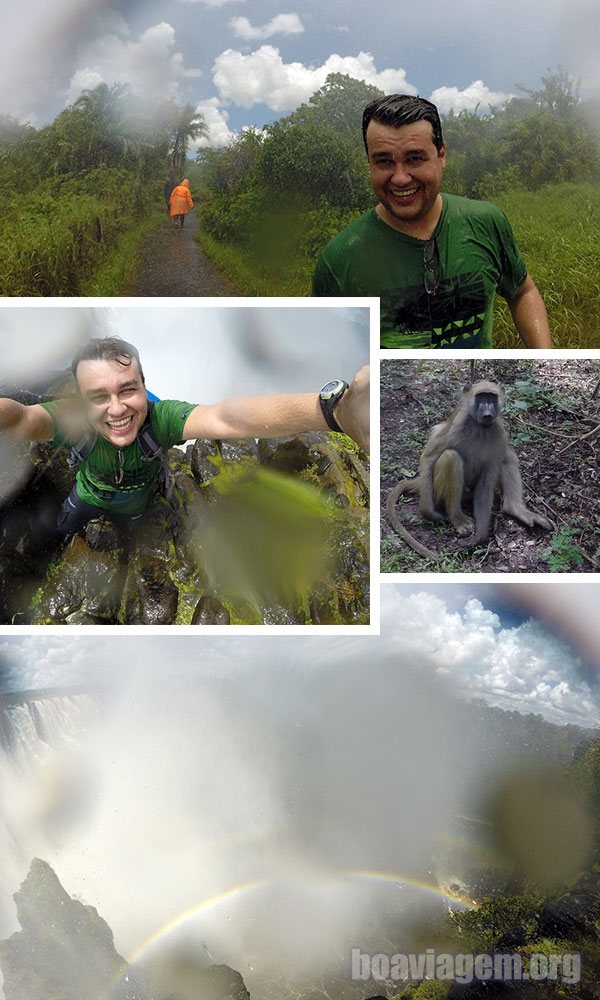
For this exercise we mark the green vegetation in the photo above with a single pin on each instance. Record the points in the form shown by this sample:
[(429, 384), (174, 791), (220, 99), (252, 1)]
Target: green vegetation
[(565, 554), (272, 199), (528, 906), (557, 230), (120, 266), (74, 189)]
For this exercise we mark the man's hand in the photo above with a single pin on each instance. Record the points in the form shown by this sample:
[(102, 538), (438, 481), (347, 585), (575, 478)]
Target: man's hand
[(530, 316), (352, 411), (25, 423)]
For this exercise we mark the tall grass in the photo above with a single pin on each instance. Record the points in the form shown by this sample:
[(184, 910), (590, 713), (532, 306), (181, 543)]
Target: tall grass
[(558, 231), (54, 238)]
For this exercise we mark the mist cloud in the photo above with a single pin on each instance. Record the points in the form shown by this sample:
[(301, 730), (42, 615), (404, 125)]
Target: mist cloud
[(150, 64), (459, 641), (250, 768)]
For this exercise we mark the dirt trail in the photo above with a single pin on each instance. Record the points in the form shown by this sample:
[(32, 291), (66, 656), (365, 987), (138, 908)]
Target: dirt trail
[(172, 263)]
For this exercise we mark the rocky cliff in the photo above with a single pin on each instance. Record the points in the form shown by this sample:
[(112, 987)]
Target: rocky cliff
[(65, 951)]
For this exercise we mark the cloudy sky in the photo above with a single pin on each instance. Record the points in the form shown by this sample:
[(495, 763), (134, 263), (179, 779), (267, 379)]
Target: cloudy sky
[(474, 641), (247, 62)]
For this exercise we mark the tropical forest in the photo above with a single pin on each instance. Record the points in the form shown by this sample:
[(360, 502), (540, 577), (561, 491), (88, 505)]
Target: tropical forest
[(84, 194)]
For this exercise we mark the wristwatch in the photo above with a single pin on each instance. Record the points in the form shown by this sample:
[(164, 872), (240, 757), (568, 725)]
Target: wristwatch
[(330, 394)]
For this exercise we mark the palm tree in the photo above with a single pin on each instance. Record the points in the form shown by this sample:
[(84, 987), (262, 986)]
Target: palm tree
[(102, 113), (187, 125)]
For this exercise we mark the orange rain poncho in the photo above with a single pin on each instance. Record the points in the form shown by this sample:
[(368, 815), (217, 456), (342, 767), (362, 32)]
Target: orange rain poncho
[(180, 201)]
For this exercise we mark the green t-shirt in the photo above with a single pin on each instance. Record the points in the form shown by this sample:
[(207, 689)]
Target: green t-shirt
[(476, 256), (97, 474)]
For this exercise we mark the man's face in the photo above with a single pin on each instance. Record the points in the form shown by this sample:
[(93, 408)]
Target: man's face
[(115, 399), (406, 172)]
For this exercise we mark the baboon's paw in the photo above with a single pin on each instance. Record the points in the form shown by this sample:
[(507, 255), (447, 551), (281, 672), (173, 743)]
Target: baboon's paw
[(464, 526)]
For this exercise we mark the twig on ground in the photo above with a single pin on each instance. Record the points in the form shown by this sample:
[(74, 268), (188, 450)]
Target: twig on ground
[(584, 437)]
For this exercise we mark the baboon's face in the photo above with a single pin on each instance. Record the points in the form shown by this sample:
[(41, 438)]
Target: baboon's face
[(406, 172), (115, 399), (486, 408)]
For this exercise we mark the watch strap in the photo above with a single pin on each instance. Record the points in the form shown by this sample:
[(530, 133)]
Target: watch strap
[(328, 404)]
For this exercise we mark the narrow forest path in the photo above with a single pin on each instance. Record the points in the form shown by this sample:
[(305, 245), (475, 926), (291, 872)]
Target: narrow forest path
[(172, 263)]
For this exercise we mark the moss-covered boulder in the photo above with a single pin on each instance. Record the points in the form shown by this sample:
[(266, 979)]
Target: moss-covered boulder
[(150, 596), (82, 582)]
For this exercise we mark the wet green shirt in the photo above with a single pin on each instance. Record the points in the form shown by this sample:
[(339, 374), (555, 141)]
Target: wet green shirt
[(476, 255), (97, 475)]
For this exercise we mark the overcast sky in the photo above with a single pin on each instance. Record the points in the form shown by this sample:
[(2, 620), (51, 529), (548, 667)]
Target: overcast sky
[(246, 62), (465, 637)]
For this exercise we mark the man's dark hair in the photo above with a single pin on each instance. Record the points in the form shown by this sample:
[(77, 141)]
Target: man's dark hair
[(402, 109), (108, 349)]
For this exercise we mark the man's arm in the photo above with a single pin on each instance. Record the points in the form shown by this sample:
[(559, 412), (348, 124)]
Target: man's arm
[(25, 423), (280, 416), (530, 316)]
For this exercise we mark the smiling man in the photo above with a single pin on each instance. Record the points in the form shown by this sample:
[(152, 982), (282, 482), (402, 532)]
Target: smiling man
[(435, 260), (119, 438)]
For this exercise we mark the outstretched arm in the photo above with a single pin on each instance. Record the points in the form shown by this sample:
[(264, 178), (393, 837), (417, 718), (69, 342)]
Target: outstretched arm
[(279, 416), (530, 316), (25, 423)]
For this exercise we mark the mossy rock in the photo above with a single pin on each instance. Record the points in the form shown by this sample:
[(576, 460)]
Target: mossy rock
[(274, 531)]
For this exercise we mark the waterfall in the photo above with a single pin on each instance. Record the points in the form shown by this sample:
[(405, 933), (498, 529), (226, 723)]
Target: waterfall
[(39, 731), (34, 724)]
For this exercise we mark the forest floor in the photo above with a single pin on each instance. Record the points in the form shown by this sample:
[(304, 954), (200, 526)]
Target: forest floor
[(553, 422), (172, 263)]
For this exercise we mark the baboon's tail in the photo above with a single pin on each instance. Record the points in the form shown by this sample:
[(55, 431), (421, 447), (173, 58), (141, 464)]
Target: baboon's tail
[(406, 486)]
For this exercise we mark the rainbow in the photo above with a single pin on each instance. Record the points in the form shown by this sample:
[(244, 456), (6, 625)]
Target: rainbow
[(431, 889)]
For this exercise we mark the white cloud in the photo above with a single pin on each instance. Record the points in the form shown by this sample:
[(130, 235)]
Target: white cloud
[(281, 24), (451, 98), (219, 133), (212, 3), (150, 64), (523, 668), (262, 77)]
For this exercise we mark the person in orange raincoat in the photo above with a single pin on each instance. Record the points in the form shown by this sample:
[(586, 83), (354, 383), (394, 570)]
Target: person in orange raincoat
[(180, 201)]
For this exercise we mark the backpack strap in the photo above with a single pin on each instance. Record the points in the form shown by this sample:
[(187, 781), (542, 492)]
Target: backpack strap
[(80, 451), (152, 451), (150, 448)]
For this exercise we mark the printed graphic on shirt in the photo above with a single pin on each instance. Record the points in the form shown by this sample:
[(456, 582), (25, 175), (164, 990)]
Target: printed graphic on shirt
[(452, 317)]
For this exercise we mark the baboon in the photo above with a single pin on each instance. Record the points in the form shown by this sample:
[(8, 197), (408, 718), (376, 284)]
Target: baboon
[(468, 454)]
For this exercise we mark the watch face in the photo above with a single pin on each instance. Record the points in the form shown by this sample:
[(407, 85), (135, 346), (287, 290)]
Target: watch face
[(331, 389)]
